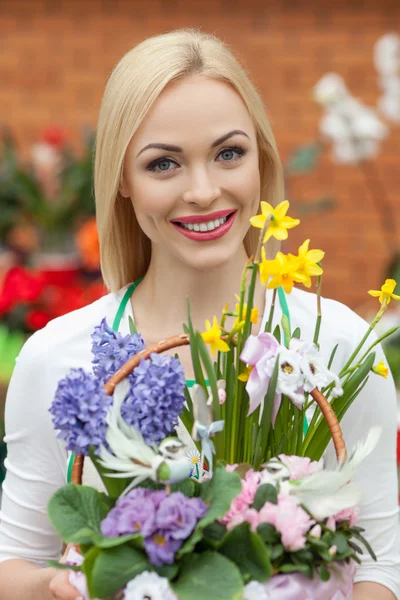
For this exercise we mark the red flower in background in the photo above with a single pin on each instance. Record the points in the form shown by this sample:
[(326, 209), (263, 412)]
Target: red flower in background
[(20, 285), (55, 136), (45, 295)]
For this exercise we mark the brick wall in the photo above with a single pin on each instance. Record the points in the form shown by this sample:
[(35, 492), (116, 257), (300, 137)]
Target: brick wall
[(56, 56)]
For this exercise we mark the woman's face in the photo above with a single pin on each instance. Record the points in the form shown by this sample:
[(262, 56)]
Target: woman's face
[(208, 164)]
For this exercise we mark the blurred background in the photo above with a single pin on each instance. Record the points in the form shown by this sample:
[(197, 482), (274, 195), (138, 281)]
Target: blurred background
[(329, 74)]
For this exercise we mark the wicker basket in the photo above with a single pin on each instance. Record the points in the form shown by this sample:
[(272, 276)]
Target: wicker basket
[(183, 340)]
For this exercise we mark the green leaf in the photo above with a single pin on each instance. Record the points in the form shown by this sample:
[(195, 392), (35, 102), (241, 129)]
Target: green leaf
[(366, 544), (209, 575), (62, 566), (277, 334), (247, 550), (276, 551), (198, 372), (268, 534), (208, 365), (324, 573), (265, 493), (218, 493), (332, 356), (296, 333), (76, 512), (87, 567), (286, 329), (340, 541), (114, 567), (288, 568), (214, 533)]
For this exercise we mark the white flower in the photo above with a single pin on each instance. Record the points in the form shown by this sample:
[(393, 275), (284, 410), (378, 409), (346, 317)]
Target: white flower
[(290, 377), (354, 129), (387, 54), (149, 586), (255, 591), (315, 371)]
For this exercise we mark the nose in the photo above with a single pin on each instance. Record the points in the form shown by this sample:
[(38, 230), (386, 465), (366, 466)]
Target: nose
[(201, 191)]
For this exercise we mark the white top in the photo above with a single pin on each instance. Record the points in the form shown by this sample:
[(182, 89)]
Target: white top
[(37, 460)]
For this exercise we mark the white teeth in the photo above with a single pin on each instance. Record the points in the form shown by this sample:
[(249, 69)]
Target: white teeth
[(204, 226)]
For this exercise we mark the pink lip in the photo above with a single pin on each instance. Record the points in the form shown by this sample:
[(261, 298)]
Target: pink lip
[(203, 218), (205, 236)]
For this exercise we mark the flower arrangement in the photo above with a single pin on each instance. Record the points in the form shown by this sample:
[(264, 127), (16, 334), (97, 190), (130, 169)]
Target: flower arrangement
[(220, 490)]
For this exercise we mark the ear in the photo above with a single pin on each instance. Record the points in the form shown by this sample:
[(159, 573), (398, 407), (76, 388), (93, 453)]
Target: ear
[(123, 188)]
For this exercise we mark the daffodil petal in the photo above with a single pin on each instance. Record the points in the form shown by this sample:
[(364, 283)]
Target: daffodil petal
[(266, 209), (258, 221), (281, 210), (222, 346), (288, 222), (315, 255), (374, 293)]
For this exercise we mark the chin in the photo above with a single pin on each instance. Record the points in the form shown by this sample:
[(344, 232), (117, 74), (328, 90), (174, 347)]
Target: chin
[(206, 259)]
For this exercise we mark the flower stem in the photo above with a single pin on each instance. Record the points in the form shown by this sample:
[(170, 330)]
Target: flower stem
[(268, 326), (319, 313), (364, 339)]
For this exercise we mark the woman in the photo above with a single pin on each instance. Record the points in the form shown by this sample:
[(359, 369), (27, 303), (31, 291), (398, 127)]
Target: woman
[(182, 136)]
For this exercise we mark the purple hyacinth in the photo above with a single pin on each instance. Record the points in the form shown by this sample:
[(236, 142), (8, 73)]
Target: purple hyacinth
[(156, 398), (134, 513), (79, 410), (111, 350)]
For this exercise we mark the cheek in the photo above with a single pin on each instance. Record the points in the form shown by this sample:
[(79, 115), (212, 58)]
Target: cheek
[(152, 199), (245, 184)]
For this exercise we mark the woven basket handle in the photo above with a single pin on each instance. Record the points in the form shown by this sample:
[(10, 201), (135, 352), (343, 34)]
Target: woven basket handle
[(184, 340)]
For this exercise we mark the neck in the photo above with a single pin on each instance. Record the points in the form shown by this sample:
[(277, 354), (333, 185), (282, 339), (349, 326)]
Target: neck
[(161, 296)]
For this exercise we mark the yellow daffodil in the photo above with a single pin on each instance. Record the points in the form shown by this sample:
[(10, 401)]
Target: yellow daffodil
[(282, 271), (307, 264), (385, 294), (381, 369), (279, 223), (246, 373), (242, 317), (213, 337)]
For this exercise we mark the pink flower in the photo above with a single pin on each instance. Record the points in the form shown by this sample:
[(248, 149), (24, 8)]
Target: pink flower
[(231, 468), (243, 501), (252, 516), (300, 466), (289, 519), (331, 523), (348, 514)]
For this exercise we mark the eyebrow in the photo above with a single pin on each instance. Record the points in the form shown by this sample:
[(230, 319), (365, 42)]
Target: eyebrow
[(171, 148)]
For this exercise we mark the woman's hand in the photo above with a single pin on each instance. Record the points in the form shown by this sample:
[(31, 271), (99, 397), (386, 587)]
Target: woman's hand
[(60, 588)]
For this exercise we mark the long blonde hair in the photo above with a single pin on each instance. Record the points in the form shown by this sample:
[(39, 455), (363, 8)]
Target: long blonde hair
[(135, 83)]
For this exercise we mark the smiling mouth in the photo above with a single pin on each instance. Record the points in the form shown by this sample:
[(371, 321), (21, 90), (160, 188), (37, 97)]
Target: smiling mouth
[(207, 226)]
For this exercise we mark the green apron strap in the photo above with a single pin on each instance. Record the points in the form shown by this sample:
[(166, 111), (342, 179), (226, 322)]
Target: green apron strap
[(124, 302)]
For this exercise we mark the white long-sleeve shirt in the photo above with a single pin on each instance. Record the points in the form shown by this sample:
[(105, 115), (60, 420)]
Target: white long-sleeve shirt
[(37, 461)]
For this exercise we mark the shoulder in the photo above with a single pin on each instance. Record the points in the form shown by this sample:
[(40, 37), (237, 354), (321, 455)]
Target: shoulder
[(69, 336)]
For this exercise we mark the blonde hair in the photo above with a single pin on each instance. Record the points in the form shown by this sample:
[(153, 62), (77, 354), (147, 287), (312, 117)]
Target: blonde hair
[(135, 83)]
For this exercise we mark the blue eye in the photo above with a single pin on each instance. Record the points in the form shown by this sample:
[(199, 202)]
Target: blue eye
[(156, 166)]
